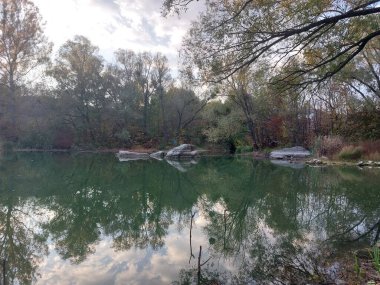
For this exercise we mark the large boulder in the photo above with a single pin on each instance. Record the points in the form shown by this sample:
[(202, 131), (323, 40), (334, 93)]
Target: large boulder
[(290, 153), (124, 155), (186, 151)]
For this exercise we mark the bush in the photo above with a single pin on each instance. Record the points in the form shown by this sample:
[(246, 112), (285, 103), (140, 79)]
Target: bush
[(370, 147), (351, 152), (328, 145), (124, 136), (35, 140)]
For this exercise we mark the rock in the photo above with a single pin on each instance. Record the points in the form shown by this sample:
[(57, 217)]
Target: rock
[(315, 162), (361, 164), (290, 153), (182, 151), (123, 155), (368, 163), (159, 155)]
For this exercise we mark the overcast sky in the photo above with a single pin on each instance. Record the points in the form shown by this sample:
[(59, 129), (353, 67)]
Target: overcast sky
[(113, 24)]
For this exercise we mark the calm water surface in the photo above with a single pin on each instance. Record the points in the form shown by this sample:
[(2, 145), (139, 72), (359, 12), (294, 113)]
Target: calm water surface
[(89, 219)]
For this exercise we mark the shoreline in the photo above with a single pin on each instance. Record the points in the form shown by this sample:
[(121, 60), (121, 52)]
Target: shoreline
[(311, 161)]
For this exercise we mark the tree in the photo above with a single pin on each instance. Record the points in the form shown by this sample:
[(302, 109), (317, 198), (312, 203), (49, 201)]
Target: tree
[(324, 36), (78, 73), (183, 109), (160, 80), (363, 74), (224, 123), (143, 74), (124, 93), (23, 45)]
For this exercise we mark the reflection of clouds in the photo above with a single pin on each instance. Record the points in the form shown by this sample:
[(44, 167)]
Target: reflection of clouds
[(135, 266)]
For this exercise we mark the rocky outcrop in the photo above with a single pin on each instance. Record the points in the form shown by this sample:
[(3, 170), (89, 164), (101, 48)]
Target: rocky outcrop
[(290, 153), (123, 155), (184, 151)]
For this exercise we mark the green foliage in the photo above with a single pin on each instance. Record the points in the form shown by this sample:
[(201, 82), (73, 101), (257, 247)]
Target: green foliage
[(35, 140), (124, 136), (362, 123), (351, 152), (225, 123)]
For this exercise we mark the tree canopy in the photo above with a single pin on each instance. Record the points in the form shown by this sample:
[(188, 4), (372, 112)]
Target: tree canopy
[(308, 40), (23, 45)]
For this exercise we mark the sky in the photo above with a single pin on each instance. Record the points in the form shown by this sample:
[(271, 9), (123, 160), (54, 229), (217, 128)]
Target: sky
[(112, 24)]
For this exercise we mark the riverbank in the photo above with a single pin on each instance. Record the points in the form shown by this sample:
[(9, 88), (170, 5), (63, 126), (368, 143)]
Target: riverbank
[(311, 161)]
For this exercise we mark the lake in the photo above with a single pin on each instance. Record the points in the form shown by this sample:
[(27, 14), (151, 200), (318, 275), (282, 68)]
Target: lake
[(90, 219)]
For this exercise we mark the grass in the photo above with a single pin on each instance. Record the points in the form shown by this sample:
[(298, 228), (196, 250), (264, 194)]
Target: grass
[(350, 152), (357, 266), (374, 156), (375, 254)]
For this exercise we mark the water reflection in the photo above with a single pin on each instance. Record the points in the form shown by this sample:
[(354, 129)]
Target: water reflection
[(256, 222)]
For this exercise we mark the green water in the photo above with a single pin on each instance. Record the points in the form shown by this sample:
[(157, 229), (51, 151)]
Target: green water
[(89, 219)]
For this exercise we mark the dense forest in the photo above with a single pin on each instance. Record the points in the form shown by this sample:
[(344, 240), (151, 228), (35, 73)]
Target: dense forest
[(254, 74)]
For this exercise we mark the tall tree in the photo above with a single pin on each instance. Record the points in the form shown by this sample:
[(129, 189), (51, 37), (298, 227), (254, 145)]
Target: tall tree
[(123, 90), (23, 45), (143, 76), (160, 80), (183, 109), (78, 73)]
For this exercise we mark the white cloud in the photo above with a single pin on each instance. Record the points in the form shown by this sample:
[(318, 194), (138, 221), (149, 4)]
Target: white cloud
[(113, 24)]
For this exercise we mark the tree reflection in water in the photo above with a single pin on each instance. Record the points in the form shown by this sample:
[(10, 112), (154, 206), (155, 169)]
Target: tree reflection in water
[(271, 224), (22, 245)]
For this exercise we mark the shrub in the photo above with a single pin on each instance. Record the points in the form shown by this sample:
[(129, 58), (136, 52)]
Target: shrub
[(328, 145), (36, 140), (351, 152), (370, 146), (124, 136)]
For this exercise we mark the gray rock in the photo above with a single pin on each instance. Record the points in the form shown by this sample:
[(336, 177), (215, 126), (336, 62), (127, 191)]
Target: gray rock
[(159, 155), (123, 155), (186, 151), (289, 153), (361, 164), (368, 163)]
